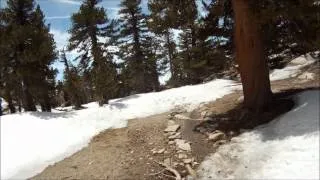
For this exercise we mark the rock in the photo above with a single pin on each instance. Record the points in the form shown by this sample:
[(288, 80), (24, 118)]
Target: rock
[(208, 119), (181, 144), (299, 60), (182, 156), (175, 136), (171, 122), (154, 151), (171, 142), (181, 117), (195, 163), (161, 151), (216, 136), (167, 162), (210, 114), (307, 76), (240, 99), (187, 161), (172, 128), (203, 114)]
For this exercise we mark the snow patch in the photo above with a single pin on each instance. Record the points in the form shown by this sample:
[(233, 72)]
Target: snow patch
[(293, 68), (286, 148), (32, 141)]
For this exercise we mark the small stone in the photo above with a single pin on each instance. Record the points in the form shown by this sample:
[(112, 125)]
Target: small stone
[(182, 156), (187, 161), (154, 151), (216, 136), (175, 136), (175, 164), (171, 122), (208, 119), (171, 133), (132, 152), (181, 117), (307, 76), (210, 114), (167, 162), (171, 142), (181, 144), (240, 99), (172, 128), (161, 151), (166, 152), (203, 114), (194, 163)]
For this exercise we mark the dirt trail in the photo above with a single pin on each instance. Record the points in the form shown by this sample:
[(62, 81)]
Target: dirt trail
[(122, 154)]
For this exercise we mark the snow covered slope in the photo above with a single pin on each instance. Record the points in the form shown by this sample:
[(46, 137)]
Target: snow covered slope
[(32, 141), (293, 68), (286, 148)]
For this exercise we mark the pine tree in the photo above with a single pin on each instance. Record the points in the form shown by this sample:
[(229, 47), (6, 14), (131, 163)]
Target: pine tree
[(31, 50), (88, 26), (72, 82), (133, 33), (161, 22), (44, 52)]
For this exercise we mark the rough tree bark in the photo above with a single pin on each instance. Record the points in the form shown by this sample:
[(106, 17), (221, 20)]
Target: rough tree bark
[(28, 103), (251, 58)]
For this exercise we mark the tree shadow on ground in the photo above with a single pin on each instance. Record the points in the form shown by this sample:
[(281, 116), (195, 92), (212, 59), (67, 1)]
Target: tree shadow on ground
[(125, 98), (53, 116), (284, 102), (117, 105)]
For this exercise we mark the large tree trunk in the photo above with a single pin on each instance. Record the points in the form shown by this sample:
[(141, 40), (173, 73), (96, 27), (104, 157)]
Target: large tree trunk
[(251, 57)]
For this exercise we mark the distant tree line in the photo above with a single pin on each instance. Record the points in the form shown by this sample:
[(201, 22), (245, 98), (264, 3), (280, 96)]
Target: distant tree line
[(123, 56)]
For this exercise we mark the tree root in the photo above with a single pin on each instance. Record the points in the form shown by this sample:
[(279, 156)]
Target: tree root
[(172, 170)]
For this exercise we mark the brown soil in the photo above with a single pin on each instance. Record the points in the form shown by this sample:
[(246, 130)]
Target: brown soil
[(126, 153)]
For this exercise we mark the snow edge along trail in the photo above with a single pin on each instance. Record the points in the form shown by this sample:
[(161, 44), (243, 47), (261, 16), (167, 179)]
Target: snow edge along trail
[(285, 148)]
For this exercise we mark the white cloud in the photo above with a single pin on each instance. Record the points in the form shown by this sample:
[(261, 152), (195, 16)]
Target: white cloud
[(58, 17), (74, 2)]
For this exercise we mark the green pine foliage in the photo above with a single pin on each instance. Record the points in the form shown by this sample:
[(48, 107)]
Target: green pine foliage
[(89, 26), (139, 71), (28, 51)]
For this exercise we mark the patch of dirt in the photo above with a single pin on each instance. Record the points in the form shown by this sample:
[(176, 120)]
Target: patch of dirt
[(125, 154)]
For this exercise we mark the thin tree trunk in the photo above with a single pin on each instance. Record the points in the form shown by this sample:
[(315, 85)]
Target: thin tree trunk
[(170, 53), (10, 103), (251, 58), (28, 103)]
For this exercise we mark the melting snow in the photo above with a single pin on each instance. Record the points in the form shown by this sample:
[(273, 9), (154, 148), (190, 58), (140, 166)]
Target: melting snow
[(32, 141), (286, 148)]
